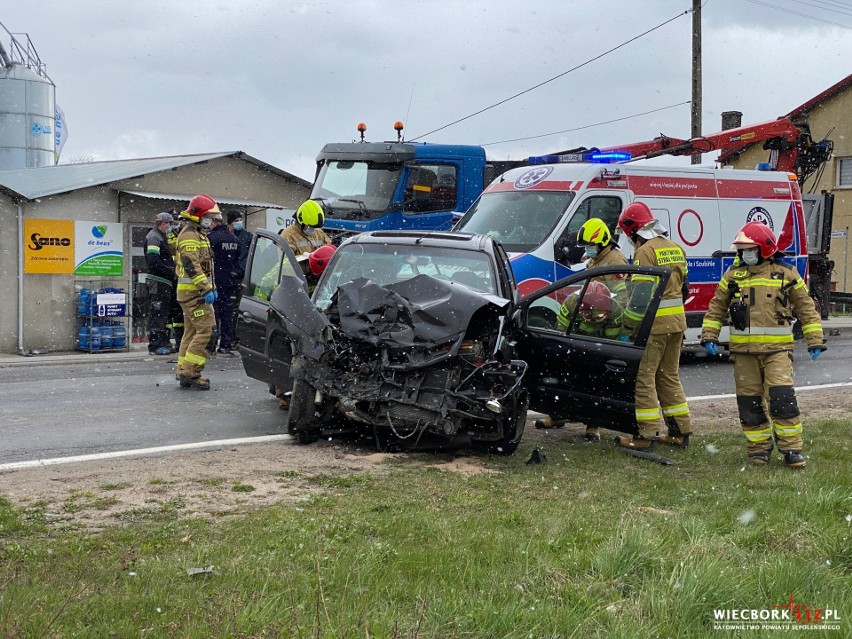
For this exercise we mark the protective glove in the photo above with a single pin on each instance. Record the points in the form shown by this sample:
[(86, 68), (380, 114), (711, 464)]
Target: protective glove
[(209, 297), (711, 346), (215, 295), (815, 352)]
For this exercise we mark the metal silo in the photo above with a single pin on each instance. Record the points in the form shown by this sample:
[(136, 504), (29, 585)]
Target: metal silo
[(27, 108)]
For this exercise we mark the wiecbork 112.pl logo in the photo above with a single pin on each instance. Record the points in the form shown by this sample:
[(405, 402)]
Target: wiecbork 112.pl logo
[(783, 616)]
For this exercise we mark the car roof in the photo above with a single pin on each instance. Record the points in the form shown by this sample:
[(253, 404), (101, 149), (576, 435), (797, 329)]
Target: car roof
[(444, 239)]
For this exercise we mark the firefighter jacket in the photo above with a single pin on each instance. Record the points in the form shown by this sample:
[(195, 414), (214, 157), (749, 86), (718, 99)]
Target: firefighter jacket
[(761, 300), (609, 256), (226, 256), (670, 317), (301, 243), (171, 238), (194, 264), (158, 258), (607, 326)]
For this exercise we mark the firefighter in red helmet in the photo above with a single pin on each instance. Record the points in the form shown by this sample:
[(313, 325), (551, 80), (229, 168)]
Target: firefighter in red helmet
[(660, 400), (196, 291), (760, 294)]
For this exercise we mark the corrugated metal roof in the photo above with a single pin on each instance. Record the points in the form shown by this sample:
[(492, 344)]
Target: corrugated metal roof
[(177, 197), (51, 180)]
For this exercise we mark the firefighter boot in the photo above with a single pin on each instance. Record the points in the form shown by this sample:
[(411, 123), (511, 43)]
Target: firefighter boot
[(640, 443), (675, 437), (185, 381), (794, 458), (592, 434), (549, 422), (200, 383), (760, 456)]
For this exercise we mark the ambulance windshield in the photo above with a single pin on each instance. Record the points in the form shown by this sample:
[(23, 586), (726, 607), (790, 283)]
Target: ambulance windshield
[(520, 220)]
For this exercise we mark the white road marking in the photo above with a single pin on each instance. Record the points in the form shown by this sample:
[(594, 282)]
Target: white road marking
[(799, 389), (216, 443)]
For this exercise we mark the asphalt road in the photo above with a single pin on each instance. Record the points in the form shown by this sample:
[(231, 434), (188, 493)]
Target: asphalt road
[(61, 410)]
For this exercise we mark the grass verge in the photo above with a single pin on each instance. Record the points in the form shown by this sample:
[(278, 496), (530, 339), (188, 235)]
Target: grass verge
[(591, 544)]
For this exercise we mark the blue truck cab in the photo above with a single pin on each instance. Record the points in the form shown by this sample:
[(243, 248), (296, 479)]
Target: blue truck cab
[(371, 186)]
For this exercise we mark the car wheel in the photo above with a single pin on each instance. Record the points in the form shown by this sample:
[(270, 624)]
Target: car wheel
[(302, 422), (513, 430)]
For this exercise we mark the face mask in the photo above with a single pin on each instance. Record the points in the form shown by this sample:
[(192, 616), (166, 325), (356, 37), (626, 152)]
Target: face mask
[(309, 230), (206, 222), (750, 257), (591, 251), (238, 226)]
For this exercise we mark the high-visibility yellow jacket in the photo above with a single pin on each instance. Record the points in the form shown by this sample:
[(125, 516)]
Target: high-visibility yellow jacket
[(770, 292), (193, 263), (301, 243), (670, 317)]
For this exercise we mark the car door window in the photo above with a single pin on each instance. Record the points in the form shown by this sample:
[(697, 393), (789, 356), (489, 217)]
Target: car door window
[(610, 307), (265, 268)]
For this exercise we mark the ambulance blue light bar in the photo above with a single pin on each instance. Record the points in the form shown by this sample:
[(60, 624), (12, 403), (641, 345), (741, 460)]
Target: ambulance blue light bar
[(594, 157)]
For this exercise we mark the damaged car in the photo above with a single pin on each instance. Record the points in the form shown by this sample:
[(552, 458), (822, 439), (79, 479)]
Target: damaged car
[(420, 340)]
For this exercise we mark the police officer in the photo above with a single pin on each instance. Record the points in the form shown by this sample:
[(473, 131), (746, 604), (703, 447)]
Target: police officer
[(226, 257), (761, 293), (660, 400), (237, 226), (196, 292), (160, 280), (306, 234), (599, 249)]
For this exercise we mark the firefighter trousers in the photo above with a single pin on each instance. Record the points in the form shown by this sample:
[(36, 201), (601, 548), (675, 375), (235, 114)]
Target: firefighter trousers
[(199, 338), (766, 381), (660, 400)]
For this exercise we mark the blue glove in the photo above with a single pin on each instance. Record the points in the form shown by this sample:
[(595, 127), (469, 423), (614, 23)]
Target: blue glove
[(815, 352), (209, 297), (712, 347), (215, 295)]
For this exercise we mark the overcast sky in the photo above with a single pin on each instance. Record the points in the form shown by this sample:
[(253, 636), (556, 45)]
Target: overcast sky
[(279, 78)]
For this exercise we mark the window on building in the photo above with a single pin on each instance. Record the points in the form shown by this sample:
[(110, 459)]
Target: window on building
[(844, 172)]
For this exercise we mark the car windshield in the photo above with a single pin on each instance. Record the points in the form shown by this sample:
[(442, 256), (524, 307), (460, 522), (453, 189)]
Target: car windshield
[(348, 187), (386, 264), (520, 220)]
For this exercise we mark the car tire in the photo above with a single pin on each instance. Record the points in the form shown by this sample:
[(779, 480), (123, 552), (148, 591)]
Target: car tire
[(302, 423), (513, 429)]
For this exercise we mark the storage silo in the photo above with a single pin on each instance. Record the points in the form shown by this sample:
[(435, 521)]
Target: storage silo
[(27, 110)]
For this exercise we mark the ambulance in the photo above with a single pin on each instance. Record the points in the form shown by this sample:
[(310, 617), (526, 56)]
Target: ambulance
[(536, 212)]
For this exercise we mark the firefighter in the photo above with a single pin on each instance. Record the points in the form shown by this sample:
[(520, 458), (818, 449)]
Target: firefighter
[(196, 292), (306, 234), (599, 250), (761, 294), (160, 280), (660, 400)]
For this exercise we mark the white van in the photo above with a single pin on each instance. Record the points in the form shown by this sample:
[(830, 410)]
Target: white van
[(537, 211)]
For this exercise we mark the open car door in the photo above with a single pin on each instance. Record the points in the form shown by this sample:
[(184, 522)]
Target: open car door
[(583, 338), (274, 280)]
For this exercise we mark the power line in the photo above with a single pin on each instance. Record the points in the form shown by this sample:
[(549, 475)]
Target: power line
[(588, 126), (541, 84), (845, 12), (796, 13)]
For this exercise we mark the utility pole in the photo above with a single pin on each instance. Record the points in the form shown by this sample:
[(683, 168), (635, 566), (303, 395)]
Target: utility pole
[(696, 74)]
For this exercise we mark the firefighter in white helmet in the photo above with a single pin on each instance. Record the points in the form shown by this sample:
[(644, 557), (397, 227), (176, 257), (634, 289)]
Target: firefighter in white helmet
[(599, 249), (196, 291), (760, 294), (660, 400)]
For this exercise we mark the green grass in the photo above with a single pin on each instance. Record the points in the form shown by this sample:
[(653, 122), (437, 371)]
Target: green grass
[(591, 544)]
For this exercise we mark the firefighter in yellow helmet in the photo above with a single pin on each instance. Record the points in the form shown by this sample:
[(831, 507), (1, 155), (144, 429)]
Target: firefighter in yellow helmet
[(660, 400), (599, 250), (306, 234), (196, 291), (760, 294)]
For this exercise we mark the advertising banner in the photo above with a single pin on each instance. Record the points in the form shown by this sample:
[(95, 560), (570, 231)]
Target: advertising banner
[(98, 249), (277, 219), (48, 246), (60, 133)]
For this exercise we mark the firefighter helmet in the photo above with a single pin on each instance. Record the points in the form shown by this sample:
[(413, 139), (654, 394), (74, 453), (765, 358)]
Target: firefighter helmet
[(320, 258), (596, 303), (634, 218), (759, 235), (310, 214), (199, 206), (594, 231)]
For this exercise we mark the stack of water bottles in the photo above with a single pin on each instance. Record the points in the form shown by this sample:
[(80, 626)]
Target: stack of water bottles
[(96, 333)]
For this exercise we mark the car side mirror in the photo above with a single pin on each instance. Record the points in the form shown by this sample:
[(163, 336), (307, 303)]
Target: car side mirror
[(518, 318)]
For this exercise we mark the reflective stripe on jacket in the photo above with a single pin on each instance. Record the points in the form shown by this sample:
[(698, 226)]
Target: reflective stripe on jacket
[(659, 251), (194, 266)]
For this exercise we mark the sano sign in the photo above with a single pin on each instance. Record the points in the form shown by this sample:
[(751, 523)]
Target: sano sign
[(68, 247)]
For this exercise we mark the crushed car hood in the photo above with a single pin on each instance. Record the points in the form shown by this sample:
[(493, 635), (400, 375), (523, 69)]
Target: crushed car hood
[(422, 311)]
